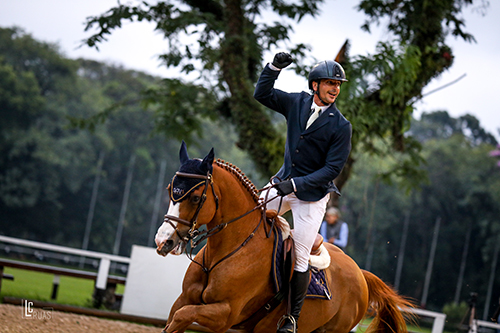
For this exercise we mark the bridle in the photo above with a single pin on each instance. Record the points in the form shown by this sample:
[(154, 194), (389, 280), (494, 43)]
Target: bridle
[(208, 180), (193, 232)]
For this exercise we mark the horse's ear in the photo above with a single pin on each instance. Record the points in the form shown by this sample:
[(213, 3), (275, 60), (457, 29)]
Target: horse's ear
[(208, 161), (183, 153)]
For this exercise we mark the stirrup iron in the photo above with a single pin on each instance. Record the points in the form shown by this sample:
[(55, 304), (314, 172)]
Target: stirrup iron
[(292, 320)]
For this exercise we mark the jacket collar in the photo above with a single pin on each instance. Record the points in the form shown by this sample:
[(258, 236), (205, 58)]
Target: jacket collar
[(320, 122)]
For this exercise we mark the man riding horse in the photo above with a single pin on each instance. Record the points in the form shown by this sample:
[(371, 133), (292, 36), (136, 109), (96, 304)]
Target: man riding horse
[(317, 146), (229, 283)]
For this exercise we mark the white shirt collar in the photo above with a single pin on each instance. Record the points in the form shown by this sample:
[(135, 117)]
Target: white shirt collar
[(323, 108)]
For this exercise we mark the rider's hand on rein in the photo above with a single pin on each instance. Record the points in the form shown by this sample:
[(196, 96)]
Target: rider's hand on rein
[(284, 188)]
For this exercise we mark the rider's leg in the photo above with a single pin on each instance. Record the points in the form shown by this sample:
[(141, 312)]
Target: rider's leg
[(307, 217), (298, 290)]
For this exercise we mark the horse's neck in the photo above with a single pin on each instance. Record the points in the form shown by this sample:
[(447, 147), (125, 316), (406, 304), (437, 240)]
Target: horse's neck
[(234, 201), (235, 197)]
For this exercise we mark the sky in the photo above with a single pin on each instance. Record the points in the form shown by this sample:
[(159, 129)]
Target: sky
[(136, 46)]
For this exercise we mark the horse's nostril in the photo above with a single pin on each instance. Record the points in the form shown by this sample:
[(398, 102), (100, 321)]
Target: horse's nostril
[(167, 246)]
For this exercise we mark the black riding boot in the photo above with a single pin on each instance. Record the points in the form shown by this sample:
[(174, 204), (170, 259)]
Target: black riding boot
[(299, 284)]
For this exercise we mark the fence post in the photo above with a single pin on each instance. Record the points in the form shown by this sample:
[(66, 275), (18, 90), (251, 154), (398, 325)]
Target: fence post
[(1, 277), (102, 274), (438, 325), (55, 286), (101, 281)]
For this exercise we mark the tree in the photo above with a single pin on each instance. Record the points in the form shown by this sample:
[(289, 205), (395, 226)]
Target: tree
[(389, 82), (44, 166), (48, 168), (462, 189), (230, 44), (440, 125)]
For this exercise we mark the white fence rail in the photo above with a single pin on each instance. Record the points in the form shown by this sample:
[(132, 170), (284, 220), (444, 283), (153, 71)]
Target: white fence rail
[(487, 324), (105, 258), (439, 319)]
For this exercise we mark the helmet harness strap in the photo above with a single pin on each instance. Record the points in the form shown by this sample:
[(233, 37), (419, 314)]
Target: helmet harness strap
[(317, 93)]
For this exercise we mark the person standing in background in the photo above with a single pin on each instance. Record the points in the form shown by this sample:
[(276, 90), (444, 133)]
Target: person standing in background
[(333, 229)]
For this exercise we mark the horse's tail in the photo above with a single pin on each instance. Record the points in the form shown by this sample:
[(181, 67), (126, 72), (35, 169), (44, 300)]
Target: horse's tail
[(387, 306)]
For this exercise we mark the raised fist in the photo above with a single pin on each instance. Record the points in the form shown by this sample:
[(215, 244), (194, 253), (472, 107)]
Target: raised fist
[(282, 60)]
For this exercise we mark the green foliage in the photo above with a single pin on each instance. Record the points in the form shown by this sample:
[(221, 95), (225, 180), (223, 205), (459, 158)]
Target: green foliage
[(20, 93), (455, 314), (379, 101), (179, 106), (28, 134), (41, 59), (424, 25), (223, 44), (375, 100), (412, 20), (439, 125), (48, 166), (462, 189)]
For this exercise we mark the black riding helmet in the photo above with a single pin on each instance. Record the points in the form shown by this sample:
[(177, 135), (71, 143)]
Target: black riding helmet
[(328, 69)]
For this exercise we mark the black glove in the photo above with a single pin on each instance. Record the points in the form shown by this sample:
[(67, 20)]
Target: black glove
[(284, 188), (282, 60)]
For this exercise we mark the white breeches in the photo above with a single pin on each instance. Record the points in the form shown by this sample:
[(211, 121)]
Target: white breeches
[(307, 218)]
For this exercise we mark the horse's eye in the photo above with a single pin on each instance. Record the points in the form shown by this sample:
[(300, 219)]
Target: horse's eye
[(195, 199)]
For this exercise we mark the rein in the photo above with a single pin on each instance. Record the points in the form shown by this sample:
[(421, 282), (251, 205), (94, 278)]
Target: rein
[(206, 234)]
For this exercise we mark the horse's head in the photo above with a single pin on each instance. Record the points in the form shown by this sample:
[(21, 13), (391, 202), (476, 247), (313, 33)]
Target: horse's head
[(189, 208)]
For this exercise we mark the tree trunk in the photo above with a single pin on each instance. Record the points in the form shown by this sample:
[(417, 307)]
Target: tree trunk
[(256, 133), (463, 263), (430, 263)]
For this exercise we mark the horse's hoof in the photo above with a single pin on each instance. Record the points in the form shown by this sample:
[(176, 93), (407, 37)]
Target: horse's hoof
[(166, 328)]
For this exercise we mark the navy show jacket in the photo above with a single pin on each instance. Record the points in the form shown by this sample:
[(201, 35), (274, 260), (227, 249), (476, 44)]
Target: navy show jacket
[(315, 156)]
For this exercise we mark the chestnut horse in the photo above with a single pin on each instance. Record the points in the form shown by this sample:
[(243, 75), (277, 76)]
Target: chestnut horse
[(229, 279)]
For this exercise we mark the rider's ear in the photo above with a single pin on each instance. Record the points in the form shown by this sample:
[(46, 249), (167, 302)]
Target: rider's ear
[(183, 153), (208, 161)]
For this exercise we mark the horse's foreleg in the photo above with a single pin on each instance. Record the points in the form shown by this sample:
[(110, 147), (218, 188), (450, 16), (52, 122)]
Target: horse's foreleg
[(213, 316), (179, 303)]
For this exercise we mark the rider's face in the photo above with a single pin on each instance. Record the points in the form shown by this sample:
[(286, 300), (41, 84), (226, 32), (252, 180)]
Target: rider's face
[(328, 91)]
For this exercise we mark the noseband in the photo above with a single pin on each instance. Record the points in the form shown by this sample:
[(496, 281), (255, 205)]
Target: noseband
[(208, 180)]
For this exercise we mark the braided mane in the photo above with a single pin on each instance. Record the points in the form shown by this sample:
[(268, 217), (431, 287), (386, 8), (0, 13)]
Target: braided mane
[(245, 181)]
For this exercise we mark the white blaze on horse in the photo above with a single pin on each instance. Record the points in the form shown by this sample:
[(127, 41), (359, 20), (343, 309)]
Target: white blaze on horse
[(229, 284)]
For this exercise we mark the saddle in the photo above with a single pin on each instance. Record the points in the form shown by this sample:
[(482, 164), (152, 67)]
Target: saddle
[(282, 270), (319, 258)]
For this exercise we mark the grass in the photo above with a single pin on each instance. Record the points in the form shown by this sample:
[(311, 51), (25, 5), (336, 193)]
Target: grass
[(411, 328), (38, 286), (425, 328)]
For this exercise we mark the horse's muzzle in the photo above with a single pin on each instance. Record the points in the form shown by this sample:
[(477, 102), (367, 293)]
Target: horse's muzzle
[(164, 248), (171, 246)]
